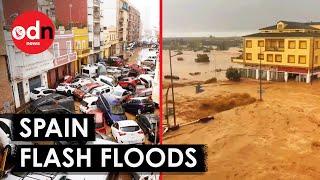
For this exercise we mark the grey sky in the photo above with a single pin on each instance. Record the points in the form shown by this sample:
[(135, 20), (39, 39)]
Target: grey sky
[(149, 12), (232, 17)]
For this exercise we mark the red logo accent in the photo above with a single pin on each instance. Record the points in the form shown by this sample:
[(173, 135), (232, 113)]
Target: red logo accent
[(33, 32)]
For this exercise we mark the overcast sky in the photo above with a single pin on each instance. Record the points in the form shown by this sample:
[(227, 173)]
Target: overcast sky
[(149, 12), (232, 17)]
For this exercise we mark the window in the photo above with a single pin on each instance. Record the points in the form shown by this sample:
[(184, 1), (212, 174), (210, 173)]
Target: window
[(83, 44), (261, 56), (69, 47), (56, 52), (302, 59), (248, 56), (261, 43), (291, 44), (78, 45), (291, 59), (278, 58), (249, 44), (303, 44), (281, 44), (270, 58)]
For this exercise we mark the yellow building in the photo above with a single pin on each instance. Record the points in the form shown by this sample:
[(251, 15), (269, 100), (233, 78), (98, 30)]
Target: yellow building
[(286, 51), (110, 41), (81, 45)]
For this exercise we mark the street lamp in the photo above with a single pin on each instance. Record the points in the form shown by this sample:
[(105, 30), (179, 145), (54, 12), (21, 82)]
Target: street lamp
[(70, 7)]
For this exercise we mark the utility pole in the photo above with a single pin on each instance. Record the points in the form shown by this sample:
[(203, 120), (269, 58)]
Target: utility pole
[(260, 74), (312, 63), (172, 91), (70, 7)]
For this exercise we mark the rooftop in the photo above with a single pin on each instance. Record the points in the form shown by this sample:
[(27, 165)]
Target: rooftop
[(285, 34), (294, 25)]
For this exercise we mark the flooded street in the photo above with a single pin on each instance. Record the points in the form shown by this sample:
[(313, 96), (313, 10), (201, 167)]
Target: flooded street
[(218, 60)]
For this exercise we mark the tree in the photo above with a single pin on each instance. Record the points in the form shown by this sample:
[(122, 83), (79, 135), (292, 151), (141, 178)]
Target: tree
[(233, 74)]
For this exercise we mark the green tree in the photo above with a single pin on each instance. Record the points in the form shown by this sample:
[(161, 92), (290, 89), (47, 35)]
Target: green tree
[(233, 74)]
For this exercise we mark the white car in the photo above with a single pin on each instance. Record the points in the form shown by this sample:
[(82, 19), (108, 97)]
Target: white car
[(88, 104), (114, 71), (101, 90), (127, 132), (120, 93), (79, 82), (106, 80), (40, 92), (33, 175), (146, 79), (65, 88)]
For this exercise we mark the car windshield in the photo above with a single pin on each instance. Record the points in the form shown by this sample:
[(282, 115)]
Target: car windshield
[(35, 91), (117, 109), (130, 128), (118, 93)]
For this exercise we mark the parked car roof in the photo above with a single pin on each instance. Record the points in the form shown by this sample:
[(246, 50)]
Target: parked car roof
[(125, 123), (140, 98), (90, 99)]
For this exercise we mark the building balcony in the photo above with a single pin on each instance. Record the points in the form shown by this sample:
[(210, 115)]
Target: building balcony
[(276, 49), (96, 3), (83, 52), (31, 70), (65, 59)]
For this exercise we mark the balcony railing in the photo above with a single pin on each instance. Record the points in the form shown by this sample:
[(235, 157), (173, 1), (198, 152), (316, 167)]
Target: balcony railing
[(278, 49), (83, 51), (96, 3)]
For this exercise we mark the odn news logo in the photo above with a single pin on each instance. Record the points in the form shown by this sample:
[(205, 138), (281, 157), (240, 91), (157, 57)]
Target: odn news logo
[(33, 32)]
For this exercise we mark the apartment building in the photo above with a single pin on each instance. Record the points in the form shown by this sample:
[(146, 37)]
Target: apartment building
[(134, 29), (286, 51), (64, 58), (95, 29), (26, 71), (123, 25), (12, 8), (6, 97), (81, 46), (110, 41)]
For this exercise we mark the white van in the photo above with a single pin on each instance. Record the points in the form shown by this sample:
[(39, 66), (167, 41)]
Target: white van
[(89, 70)]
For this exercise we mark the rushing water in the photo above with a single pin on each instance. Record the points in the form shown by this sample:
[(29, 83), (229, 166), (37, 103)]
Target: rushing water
[(218, 60)]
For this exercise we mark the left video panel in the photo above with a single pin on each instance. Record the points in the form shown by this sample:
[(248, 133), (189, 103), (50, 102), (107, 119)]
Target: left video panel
[(85, 60)]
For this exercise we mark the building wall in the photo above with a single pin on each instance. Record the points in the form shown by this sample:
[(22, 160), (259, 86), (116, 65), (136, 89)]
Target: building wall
[(78, 12), (17, 7), (6, 97), (81, 46), (255, 50)]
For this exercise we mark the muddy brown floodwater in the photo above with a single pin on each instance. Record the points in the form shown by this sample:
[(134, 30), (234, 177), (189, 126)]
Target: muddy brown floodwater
[(218, 60), (277, 138)]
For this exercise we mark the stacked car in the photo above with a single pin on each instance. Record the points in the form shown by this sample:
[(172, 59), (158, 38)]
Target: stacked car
[(111, 89)]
